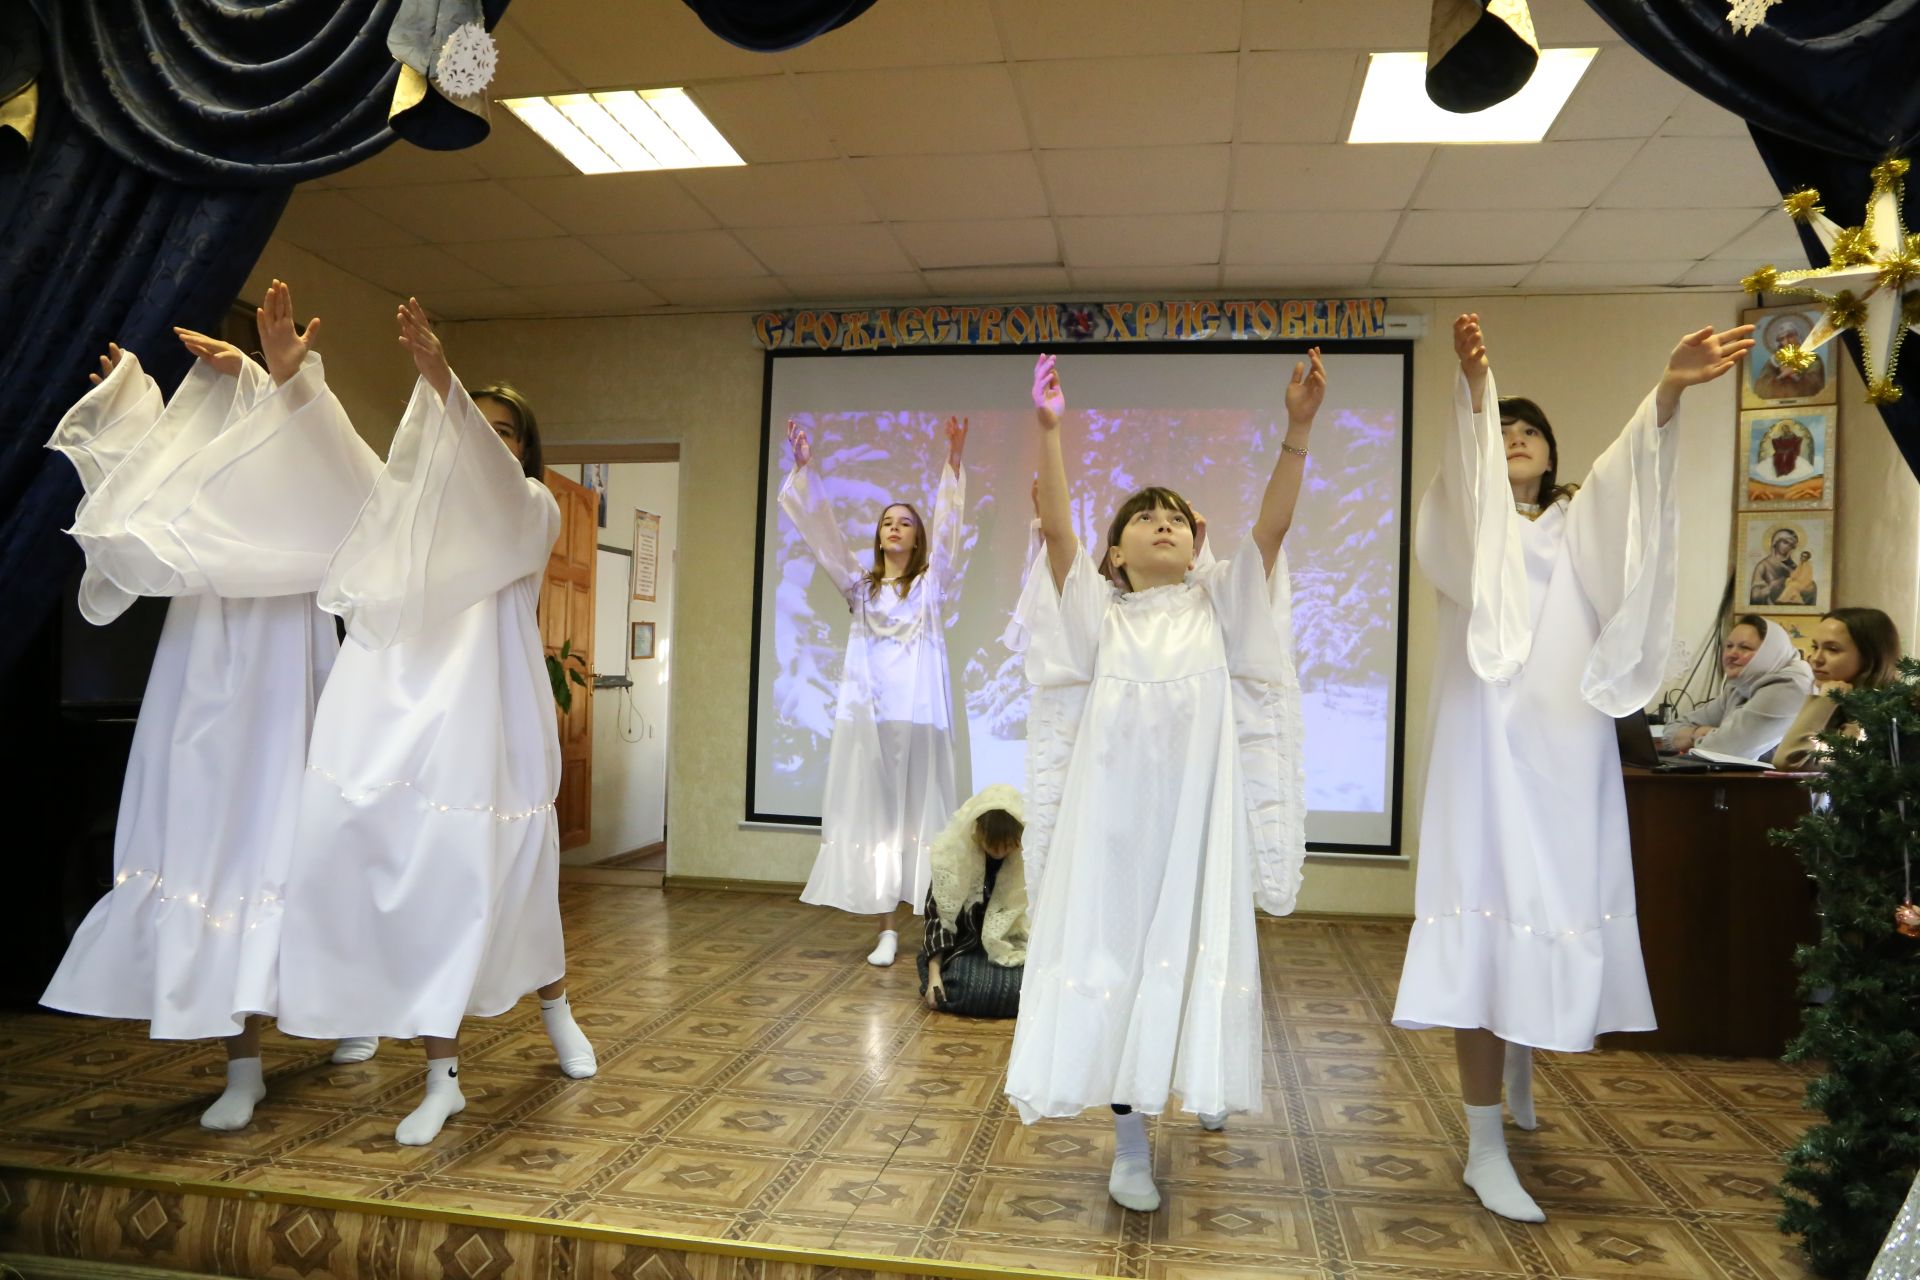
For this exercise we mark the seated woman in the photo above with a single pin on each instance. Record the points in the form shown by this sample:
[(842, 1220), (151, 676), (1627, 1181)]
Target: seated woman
[(1852, 649), (1767, 681), (975, 948)]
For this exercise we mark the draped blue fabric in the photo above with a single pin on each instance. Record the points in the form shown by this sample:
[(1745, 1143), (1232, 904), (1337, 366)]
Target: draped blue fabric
[(1828, 88), (171, 133), (768, 26)]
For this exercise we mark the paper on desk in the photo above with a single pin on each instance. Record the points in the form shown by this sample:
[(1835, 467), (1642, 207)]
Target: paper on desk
[(1734, 762)]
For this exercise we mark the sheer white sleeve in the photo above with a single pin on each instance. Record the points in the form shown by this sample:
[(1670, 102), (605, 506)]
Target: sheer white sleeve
[(451, 521), (949, 511), (806, 505), (1255, 609), (1467, 542), (97, 433), (1623, 536)]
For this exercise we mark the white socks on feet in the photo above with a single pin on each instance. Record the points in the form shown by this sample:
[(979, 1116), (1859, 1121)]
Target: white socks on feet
[(233, 1109), (1490, 1173), (570, 1043), (443, 1099), (1131, 1182), (884, 951), (354, 1049), (1519, 1081)]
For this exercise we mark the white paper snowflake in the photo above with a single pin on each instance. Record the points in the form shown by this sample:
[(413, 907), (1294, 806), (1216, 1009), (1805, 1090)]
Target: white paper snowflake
[(467, 62), (1745, 15)]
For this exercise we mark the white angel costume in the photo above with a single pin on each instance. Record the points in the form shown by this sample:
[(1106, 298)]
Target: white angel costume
[(228, 500), (890, 781), (1180, 805), (1524, 908), (425, 875)]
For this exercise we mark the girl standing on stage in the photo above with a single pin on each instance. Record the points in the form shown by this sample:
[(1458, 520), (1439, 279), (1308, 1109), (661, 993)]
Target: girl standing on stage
[(890, 787), (425, 878), (1180, 801), (1556, 613)]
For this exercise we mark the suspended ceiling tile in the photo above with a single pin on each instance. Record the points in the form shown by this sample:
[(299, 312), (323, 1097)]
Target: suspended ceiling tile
[(1771, 239), (633, 43), (1560, 23), (765, 119), (868, 249), (612, 203), (529, 263), (760, 291), (1545, 175), (1697, 117), (932, 188), (614, 298), (1308, 237), (418, 270), (891, 286), (514, 151), (1480, 236), (1146, 279), (1323, 175), (678, 255), (903, 35), (1120, 180), (1118, 102), (1379, 25), (1152, 240), (1692, 173), (455, 212), (524, 70), (1650, 235), (1006, 282), (1621, 96), (998, 243), (1058, 29), (1605, 275), (1303, 275), (920, 111), (1297, 96), (403, 164), (1391, 275), (322, 221), (1722, 274), (806, 193)]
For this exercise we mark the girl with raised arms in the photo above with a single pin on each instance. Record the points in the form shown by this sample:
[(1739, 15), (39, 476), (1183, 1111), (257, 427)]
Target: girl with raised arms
[(1177, 794)]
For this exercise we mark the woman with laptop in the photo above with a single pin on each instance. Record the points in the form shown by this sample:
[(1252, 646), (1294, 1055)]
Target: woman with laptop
[(1767, 683)]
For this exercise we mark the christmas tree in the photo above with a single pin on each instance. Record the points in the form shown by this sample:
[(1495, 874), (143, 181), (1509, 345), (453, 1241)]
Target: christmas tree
[(1846, 1178)]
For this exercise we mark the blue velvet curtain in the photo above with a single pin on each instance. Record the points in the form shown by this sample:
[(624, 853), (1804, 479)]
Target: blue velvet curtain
[(1828, 89), (768, 26)]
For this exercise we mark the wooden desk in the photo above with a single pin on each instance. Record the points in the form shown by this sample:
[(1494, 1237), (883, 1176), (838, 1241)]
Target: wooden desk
[(1721, 910)]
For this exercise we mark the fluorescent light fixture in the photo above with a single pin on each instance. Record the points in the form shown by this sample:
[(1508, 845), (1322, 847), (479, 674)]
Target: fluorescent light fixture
[(1394, 106), (626, 130)]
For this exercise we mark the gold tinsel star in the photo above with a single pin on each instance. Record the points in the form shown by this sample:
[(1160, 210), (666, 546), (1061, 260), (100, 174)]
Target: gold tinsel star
[(1871, 282)]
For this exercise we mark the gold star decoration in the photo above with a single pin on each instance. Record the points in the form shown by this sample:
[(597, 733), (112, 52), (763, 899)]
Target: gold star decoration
[(1871, 282)]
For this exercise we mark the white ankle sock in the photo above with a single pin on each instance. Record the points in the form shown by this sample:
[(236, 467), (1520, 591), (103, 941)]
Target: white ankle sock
[(354, 1049), (570, 1043), (443, 1099), (233, 1109), (1131, 1182), (1519, 1081), (1490, 1173), (884, 951), (1213, 1122)]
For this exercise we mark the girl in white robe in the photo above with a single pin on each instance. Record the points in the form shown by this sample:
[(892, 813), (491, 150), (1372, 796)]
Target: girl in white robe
[(890, 783), (228, 500), (425, 876), (1556, 613), (1180, 807)]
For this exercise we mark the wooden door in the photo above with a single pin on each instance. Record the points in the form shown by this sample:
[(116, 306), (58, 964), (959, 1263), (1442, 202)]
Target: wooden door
[(566, 613)]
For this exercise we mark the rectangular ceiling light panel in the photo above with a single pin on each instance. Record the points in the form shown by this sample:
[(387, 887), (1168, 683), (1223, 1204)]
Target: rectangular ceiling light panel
[(626, 130), (1394, 106)]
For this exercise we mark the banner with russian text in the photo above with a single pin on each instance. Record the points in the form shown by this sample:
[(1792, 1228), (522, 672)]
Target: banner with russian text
[(977, 325)]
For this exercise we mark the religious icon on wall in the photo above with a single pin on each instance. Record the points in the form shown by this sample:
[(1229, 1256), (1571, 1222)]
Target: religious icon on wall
[(1799, 629), (641, 645), (1764, 383), (1787, 459), (1784, 561)]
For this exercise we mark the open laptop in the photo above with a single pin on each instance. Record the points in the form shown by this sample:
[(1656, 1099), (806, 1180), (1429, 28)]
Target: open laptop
[(1635, 736)]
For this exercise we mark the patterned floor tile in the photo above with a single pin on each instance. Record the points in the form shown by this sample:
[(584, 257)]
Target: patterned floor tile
[(533, 1159), (904, 1134), (689, 1175), (1234, 1222), (1043, 1207), (1605, 1247), (753, 1122), (1425, 1235)]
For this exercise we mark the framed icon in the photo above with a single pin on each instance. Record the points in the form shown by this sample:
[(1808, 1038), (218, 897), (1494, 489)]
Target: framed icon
[(1784, 561), (1763, 383), (1786, 459), (642, 646)]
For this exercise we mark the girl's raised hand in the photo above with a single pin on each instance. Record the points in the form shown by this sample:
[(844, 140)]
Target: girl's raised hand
[(423, 344), (1470, 345), (1049, 401), (956, 430), (223, 356), (1704, 355), (1306, 389), (1199, 532), (798, 442), (280, 343), (108, 363)]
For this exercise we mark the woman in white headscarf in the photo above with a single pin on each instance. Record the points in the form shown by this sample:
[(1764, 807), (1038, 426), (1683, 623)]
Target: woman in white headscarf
[(975, 946), (1767, 684)]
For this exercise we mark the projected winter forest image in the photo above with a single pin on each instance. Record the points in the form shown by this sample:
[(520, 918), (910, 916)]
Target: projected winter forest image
[(1207, 426)]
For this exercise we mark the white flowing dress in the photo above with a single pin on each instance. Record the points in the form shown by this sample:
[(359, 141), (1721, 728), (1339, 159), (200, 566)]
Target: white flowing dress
[(890, 783), (228, 500), (425, 877), (1181, 803), (1524, 908)]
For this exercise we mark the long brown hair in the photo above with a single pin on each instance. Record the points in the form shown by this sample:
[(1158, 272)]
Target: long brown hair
[(916, 558), (1520, 409), (1878, 641), (1145, 500), (521, 410)]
